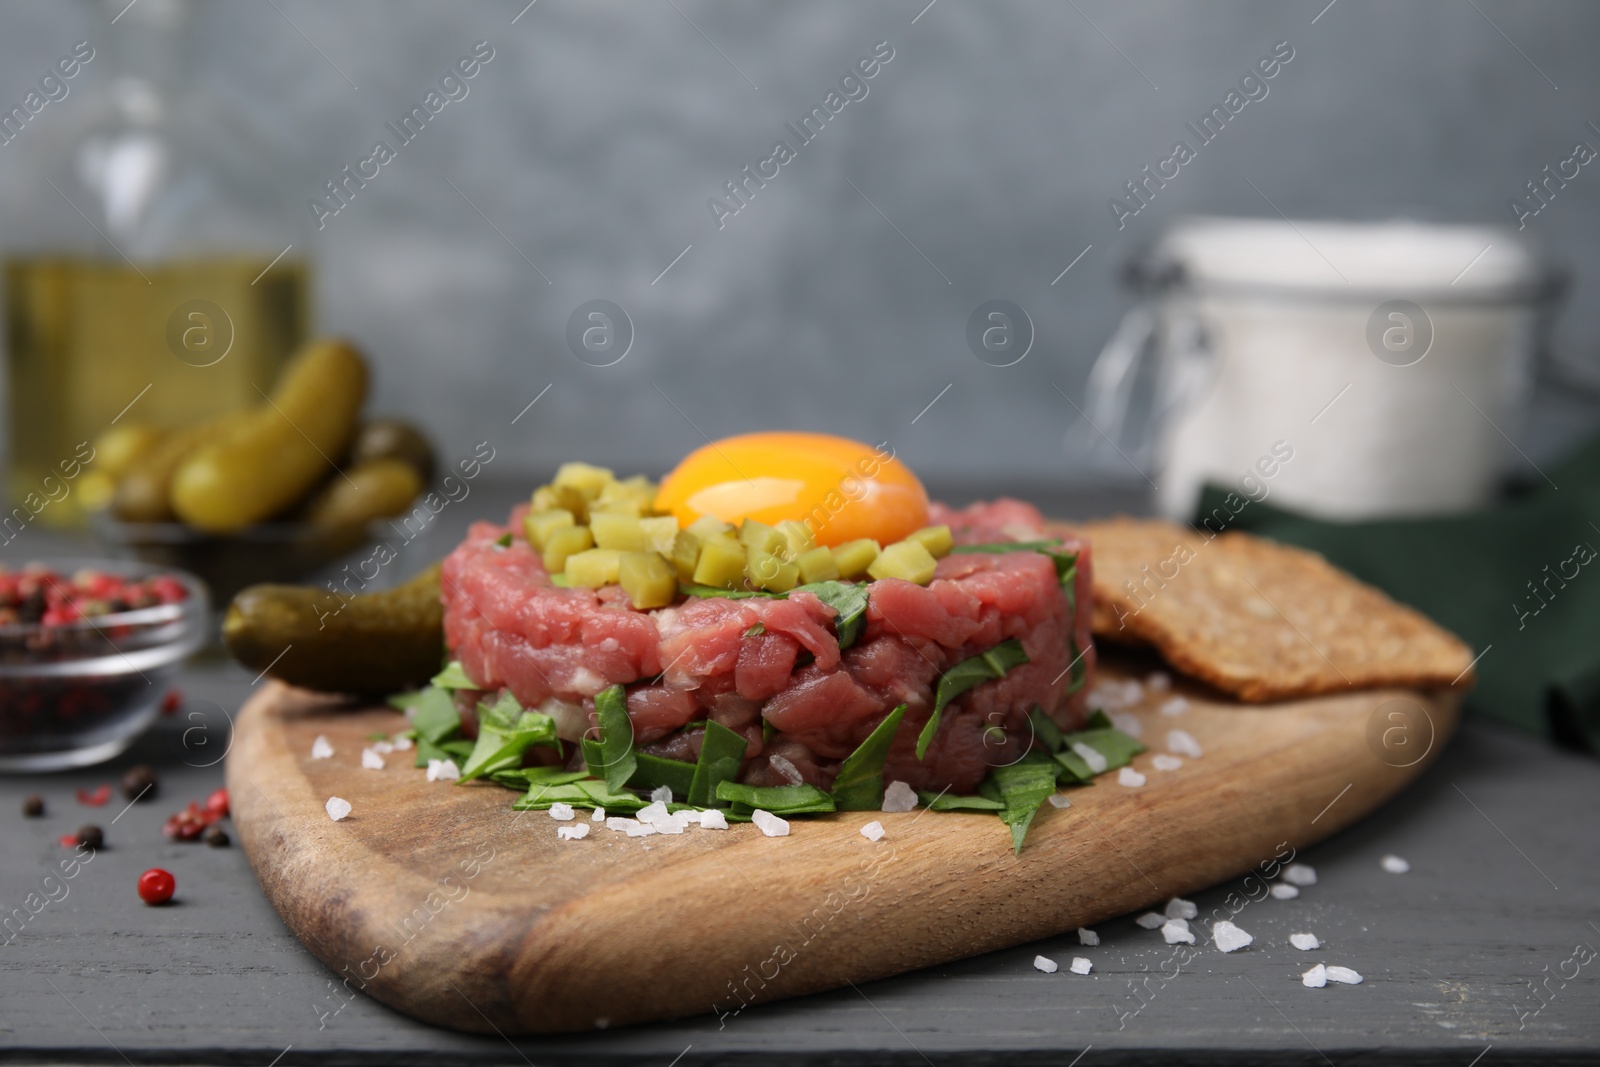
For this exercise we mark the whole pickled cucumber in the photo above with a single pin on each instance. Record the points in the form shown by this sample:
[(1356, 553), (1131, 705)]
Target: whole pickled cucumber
[(376, 489), (143, 492), (369, 643), (393, 439), (274, 455)]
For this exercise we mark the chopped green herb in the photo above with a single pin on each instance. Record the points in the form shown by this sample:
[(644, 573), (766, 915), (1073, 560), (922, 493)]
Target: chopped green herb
[(405, 701), (560, 581), (1024, 786), (726, 594), (946, 802), (768, 731), (1098, 720), (756, 630), (453, 677), (523, 777), (505, 733), (1073, 768), (504, 540), (721, 757), (778, 799), (378, 737), (966, 674), (458, 750), (656, 771), (859, 786), (435, 717), (1045, 731), (849, 599), (611, 757), (585, 793)]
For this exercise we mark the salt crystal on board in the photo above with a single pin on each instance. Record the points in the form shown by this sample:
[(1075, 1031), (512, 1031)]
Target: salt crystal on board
[(337, 808), (1045, 964)]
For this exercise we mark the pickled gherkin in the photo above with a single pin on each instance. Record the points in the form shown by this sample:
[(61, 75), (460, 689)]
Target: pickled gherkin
[(904, 559), (854, 557), (649, 580), (563, 543)]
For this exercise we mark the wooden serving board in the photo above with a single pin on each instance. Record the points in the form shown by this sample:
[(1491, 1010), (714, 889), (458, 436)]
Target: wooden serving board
[(444, 903)]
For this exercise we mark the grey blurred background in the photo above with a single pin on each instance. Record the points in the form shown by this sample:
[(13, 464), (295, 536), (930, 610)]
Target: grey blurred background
[(978, 166)]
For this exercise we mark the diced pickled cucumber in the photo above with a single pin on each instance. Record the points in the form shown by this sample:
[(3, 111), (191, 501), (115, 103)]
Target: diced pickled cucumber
[(550, 497), (936, 539), (769, 571), (854, 557), (721, 564), (589, 481), (904, 559), (537, 526), (798, 534), (660, 534), (706, 527), (593, 568), (621, 532), (621, 506), (685, 554), (817, 565), (564, 542), (763, 538), (648, 579), (637, 490)]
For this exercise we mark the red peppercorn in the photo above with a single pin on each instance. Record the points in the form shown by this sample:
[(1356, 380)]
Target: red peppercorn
[(156, 886), (171, 702), (96, 798), (217, 803)]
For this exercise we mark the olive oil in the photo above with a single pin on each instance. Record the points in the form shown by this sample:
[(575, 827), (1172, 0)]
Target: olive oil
[(91, 343)]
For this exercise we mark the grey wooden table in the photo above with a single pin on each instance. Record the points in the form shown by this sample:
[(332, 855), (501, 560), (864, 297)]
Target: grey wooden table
[(1473, 953)]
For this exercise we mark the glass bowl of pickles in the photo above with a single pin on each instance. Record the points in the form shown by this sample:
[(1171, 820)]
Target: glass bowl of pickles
[(270, 493)]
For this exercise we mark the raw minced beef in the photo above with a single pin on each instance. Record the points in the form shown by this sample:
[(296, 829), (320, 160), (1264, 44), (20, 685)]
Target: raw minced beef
[(708, 658)]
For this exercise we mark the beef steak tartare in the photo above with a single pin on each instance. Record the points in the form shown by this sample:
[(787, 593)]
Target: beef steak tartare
[(771, 666)]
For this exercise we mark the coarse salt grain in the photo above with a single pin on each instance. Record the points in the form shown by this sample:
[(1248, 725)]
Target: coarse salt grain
[(1087, 937), (873, 831), (1158, 681), (899, 797), (1163, 762), (1394, 864), (631, 827), (320, 749), (1045, 964), (1151, 920), (1059, 800), (1304, 942), (652, 812), (1128, 723), (1178, 908), (787, 770), (1228, 937), (371, 760), (1175, 930), (1300, 874), (676, 823), (572, 833), (661, 794), (599, 815), (1283, 891), (1096, 762), (1182, 743), (382, 748), (1081, 965), (770, 824), (337, 808), (1130, 778), (1344, 976), (402, 743), (561, 812), (1174, 706), (443, 770), (712, 819), (1315, 978)]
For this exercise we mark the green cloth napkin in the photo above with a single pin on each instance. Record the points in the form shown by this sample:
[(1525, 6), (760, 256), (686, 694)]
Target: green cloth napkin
[(1519, 582)]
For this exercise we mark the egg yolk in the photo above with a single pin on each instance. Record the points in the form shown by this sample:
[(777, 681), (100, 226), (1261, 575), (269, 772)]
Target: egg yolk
[(844, 489)]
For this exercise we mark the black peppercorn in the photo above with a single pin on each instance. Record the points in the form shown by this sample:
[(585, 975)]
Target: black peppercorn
[(139, 783), (33, 805), (92, 836), (216, 837)]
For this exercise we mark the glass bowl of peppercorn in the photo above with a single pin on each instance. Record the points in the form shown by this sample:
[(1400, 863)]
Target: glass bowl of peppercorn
[(88, 649)]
